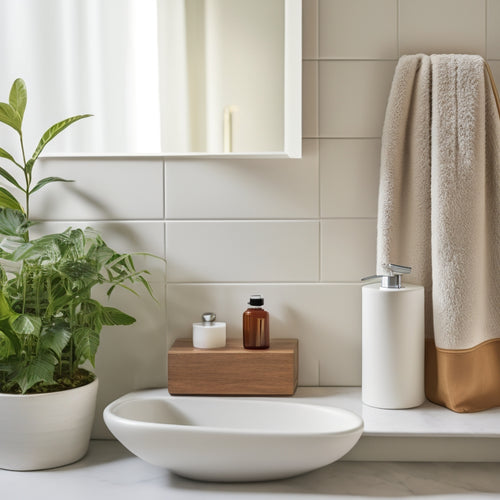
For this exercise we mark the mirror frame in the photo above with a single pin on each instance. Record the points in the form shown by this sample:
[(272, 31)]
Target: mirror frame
[(292, 106), (293, 79)]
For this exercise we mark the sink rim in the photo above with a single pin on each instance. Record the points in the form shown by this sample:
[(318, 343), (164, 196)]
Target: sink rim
[(358, 424)]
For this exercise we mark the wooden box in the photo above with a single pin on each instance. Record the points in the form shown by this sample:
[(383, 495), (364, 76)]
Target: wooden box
[(233, 370)]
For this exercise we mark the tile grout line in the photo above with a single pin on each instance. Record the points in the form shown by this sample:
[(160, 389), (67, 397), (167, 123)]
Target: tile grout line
[(165, 225), (274, 220), (486, 29), (320, 253), (353, 138), (165, 274), (164, 189), (397, 28), (271, 283), (165, 221), (317, 28), (345, 59), (318, 121)]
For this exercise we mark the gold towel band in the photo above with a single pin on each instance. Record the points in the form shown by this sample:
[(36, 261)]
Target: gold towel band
[(493, 86)]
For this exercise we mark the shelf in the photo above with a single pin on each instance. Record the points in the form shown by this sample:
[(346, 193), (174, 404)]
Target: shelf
[(427, 433), (427, 420)]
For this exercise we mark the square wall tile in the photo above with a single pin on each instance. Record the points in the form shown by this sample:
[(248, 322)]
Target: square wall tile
[(103, 189), (349, 177), (229, 188), (442, 26), (242, 251), (309, 29), (124, 237), (358, 29), (348, 249), (326, 318), (353, 97), (493, 29), (310, 99), (131, 357)]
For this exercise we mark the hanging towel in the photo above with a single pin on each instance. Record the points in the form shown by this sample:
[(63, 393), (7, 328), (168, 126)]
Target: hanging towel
[(439, 212)]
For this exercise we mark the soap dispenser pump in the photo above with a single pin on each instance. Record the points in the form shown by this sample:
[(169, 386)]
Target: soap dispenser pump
[(393, 341)]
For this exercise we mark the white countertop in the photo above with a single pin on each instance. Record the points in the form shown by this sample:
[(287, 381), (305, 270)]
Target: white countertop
[(110, 472), (427, 420)]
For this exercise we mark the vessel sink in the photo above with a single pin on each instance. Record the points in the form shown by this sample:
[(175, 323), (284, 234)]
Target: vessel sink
[(231, 439)]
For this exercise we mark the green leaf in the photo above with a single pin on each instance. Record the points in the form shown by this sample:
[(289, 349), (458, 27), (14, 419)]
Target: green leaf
[(60, 299), (58, 249), (8, 245), (7, 316), (86, 344), (7, 366), (39, 369), (47, 180), (18, 96), (119, 261), (10, 178), (23, 251), (6, 348), (77, 270), (51, 133), (27, 324), (10, 117), (77, 239), (112, 316), (102, 254), (8, 156), (12, 222), (29, 166), (55, 338), (147, 286), (8, 201)]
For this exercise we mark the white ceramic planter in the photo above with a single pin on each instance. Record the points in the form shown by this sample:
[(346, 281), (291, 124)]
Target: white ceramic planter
[(41, 431)]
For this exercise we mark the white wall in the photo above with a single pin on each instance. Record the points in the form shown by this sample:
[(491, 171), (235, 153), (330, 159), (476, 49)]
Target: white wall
[(302, 232)]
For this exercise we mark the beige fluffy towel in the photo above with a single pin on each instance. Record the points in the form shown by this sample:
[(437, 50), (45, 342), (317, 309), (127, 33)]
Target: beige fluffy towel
[(439, 212)]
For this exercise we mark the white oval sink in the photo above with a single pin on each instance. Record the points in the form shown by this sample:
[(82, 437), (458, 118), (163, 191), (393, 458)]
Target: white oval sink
[(225, 439)]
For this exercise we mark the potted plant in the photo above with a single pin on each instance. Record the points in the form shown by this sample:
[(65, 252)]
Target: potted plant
[(49, 321)]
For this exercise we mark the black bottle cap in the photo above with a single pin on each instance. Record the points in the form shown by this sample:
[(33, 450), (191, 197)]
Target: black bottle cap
[(256, 300)]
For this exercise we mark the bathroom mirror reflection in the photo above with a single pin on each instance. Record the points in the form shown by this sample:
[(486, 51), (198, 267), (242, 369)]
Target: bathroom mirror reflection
[(159, 76)]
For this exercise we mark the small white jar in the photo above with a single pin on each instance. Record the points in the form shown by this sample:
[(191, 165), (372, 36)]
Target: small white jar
[(209, 334)]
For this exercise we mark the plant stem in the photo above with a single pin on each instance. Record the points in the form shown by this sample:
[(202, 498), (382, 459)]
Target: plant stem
[(37, 285), (24, 287), (27, 204), (27, 178)]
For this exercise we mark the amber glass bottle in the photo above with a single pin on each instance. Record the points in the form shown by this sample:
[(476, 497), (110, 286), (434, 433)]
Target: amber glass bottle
[(256, 324)]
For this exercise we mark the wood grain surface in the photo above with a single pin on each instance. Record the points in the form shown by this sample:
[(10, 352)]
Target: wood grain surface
[(233, 370)]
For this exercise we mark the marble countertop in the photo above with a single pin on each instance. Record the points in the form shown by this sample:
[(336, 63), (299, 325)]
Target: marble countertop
[(111, 472)]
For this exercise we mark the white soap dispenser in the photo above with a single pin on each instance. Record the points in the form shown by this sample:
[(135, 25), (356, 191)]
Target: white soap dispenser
[(393, 341)]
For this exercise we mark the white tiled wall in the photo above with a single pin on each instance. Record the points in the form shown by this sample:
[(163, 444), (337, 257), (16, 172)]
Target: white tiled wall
[(302, 232)]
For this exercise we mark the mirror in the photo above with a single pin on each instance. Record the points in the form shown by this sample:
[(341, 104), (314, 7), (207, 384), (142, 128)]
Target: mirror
[(161, 77)]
